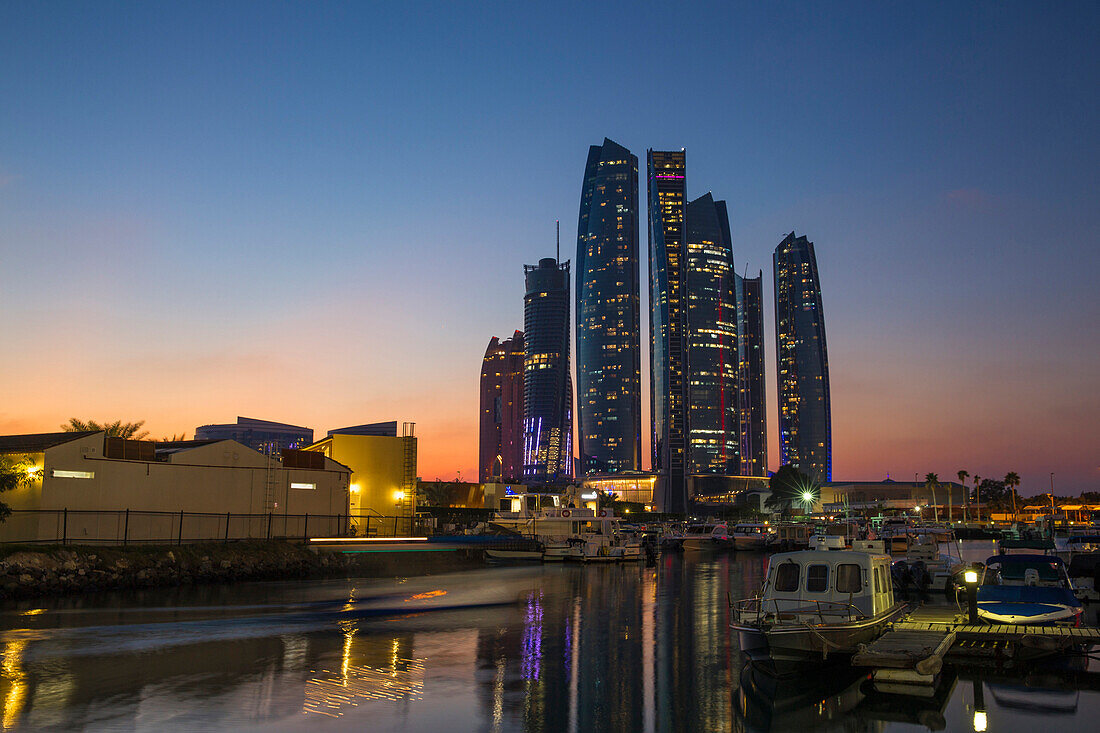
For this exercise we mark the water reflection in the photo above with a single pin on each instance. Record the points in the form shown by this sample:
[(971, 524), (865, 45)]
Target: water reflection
[(602, 648)]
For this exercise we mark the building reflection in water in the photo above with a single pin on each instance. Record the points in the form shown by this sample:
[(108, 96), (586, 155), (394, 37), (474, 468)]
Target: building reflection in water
[(373, 667)]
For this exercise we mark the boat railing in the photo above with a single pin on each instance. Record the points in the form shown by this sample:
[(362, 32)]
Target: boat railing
[(798, 611)]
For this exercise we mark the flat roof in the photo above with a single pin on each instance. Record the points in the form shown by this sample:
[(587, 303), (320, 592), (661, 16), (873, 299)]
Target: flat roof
[(38, 442)]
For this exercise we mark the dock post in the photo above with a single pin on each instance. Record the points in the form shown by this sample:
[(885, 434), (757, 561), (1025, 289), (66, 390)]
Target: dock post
[(970, 577)]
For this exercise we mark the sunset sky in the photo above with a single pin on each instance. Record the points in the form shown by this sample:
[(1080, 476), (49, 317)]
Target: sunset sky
[(319, 213)]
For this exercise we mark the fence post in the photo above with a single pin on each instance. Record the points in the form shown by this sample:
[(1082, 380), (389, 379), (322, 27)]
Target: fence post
[(269, 525), (227, 528), (368, 524), (126, 529), (65, 526), (179, 539), (305, 528)]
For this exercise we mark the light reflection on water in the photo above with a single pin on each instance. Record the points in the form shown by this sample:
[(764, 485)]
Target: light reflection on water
[(623, 648)]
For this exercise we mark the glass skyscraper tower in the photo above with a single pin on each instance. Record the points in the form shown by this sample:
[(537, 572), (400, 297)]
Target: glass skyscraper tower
[(752, 405), (805, 426), (500, 453), (667, 186), (547, 385), (609, 378), (713, 360)]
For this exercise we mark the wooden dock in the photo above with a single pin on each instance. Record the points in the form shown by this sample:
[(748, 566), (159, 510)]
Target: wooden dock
[(908, 658)]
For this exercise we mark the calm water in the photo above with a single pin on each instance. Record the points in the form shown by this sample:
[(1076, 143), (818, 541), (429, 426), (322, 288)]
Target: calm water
[(575, 649)]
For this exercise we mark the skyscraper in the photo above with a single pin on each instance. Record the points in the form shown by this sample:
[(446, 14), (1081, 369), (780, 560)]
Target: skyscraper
[(805, 426), (753, 404), (547, 385), (667, 186), (500, 452), (712, 367), (609, 377)]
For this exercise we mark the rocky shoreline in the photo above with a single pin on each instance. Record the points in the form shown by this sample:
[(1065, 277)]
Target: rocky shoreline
[(34, 572)]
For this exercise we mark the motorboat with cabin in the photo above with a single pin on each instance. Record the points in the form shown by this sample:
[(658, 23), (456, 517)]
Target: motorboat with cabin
[(1083, 556), (564, 533), (707, 537), (751, 535), (1028, 590), (816, 605)]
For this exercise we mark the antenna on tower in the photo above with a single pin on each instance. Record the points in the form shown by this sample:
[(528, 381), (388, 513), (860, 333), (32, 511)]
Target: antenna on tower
[(557, 238)]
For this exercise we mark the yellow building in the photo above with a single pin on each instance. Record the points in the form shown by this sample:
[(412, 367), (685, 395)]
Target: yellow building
[(88, 487), (382, 499)]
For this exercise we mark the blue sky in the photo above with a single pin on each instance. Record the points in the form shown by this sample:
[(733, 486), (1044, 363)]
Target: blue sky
[(319, 212)]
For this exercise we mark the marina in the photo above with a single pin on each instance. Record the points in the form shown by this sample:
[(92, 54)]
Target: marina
[(542, 647)]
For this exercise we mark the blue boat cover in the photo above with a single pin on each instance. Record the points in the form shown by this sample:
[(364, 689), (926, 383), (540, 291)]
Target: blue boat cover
[(1032, 594)]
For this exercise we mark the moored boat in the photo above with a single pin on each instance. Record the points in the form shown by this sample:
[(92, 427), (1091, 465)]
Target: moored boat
[(751, 535), (815, 605), (1027, 590), (707, 537)]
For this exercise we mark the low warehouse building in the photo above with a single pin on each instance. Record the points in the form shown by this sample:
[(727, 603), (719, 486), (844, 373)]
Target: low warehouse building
[(88, 487)]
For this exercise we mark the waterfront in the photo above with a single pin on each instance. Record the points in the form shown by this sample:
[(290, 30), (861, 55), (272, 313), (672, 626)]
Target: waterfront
[(574, 648)]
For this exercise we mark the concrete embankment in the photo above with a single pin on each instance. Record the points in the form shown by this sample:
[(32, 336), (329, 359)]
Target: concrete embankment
[(35, 571)]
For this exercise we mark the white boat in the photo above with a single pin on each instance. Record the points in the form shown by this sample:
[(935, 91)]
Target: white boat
[(596, 537), (751, 535), (1084, 565), (815, 604), (932, 556), (707, 537), (1028, 590)]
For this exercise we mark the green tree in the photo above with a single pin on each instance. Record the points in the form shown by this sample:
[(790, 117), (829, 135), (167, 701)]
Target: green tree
[(606, 499), (932, 482), (13, 474), (1012, 480), (116, 429), (963, 475), (788, 486)]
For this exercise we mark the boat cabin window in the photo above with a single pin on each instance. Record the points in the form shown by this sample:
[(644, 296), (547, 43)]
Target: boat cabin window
[(848, 578), (786, 577), (817, 578), (532, 503), (878, 579)]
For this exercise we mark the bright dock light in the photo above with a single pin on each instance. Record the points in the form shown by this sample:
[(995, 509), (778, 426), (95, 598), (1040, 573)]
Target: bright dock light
[(970, 576), (979, 721)]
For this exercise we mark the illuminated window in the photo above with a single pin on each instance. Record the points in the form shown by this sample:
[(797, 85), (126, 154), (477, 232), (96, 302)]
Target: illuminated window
[(58, 473)]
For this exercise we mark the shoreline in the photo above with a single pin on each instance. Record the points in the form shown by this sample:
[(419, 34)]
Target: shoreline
[(36, 571)]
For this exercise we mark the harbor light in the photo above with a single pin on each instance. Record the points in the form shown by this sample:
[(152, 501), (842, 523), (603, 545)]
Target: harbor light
[(807, 497), (398, 495), (979, 721), (970, 576)]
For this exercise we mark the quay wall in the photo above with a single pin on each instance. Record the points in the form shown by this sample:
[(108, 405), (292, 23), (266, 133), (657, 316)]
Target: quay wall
[(37, 571)]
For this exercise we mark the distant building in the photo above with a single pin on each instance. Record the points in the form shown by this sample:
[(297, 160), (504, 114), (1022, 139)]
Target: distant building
[(88, 487), (609, 376), (836, 496), (713, 362), (640, 487), (261, 435), (802, 361), (547, 384), (667, 188), (382, 429), (382, 496), (752, 412), (500, 437)]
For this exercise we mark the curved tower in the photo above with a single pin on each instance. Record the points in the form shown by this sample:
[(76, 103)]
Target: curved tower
[(713, 432), (802, 360), (609, 377)]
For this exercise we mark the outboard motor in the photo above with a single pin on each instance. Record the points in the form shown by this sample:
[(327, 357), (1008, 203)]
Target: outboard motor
[(921, 578), (899, 573)]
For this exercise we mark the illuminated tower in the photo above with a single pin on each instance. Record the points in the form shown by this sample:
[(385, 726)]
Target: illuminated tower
[(712, 367), (609, 377), (667, 251), (752, 405), (802, 361), (547, 385), (500, 452)]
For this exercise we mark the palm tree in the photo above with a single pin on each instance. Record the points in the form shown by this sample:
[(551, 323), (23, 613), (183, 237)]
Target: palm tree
[(116, 429), (966, 495), (1012, 480), (931, 481)]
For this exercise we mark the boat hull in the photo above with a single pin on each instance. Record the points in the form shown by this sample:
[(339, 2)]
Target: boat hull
[(706, 544), (787, 651)]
